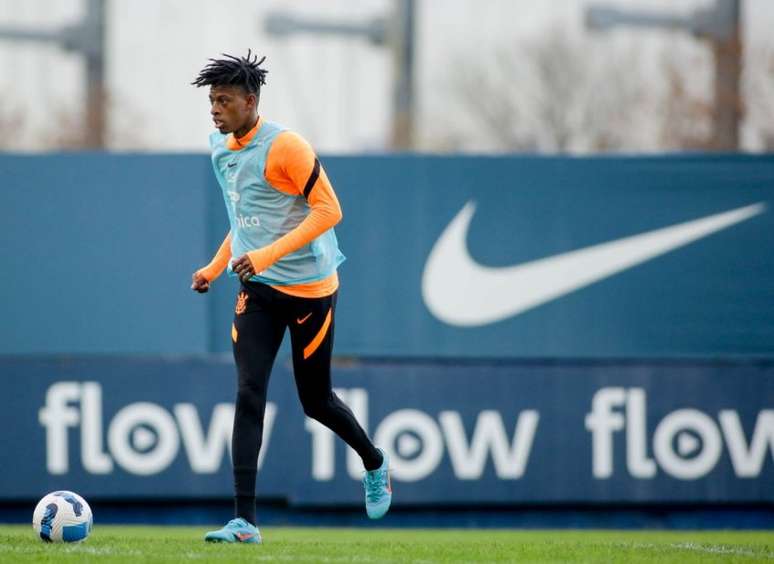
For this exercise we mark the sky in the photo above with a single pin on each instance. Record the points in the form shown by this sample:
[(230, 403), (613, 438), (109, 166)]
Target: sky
[(336, 91)]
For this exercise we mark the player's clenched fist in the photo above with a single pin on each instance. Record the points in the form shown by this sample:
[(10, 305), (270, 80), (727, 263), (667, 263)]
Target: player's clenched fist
[(200, 283), (243, 268)]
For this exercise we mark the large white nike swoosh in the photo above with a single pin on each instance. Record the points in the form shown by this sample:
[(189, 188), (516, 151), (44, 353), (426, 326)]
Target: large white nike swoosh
[(461, 292)]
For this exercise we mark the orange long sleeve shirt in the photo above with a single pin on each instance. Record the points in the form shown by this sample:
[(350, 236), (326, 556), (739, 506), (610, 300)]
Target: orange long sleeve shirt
[(291, 165)]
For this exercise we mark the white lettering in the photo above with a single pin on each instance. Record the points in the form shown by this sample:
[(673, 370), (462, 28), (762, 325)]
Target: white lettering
[(205, 453), (602, 421), (420, 424), (144, 438), (247, 221), (748, 460), (131, 421), (679, 422), (489, 435), (94, 459), (637, 461), (56, 416)]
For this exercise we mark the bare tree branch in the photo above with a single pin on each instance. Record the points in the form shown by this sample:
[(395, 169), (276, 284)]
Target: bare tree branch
[(563, 94)]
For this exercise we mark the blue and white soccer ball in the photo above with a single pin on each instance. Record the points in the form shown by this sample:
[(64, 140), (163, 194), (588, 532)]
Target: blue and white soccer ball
[(62, 517)]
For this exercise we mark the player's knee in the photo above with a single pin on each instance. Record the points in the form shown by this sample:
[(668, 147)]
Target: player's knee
[(251, 386), (316, 408), (313, 409)]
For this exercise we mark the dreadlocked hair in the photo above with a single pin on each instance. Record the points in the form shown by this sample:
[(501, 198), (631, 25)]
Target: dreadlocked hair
[(236, 71)]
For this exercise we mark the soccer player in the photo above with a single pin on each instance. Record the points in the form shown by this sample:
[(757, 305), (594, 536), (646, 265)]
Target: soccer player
[(282, 247)]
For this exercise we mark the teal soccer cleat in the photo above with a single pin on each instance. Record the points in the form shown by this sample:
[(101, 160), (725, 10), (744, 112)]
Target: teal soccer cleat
[(378, 489), (236, 530)]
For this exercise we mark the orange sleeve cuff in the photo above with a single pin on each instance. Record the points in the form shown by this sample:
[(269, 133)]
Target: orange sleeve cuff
[(219, 262)]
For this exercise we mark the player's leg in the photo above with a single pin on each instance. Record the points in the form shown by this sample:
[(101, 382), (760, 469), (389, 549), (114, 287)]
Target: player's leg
[(256, 336), (311, 334), (311, 331)]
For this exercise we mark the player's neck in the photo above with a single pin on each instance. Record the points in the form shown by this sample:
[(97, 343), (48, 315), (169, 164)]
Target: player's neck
[(245, 129)]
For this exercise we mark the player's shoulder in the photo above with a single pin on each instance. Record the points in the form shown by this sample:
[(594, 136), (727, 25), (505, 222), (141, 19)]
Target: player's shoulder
[(291, 141)]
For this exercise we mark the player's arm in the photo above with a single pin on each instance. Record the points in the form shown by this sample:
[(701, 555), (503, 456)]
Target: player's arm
[(203, 276), (293, 168)]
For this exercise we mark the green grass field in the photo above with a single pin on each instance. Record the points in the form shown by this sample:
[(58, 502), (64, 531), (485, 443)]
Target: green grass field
[(176, 544)]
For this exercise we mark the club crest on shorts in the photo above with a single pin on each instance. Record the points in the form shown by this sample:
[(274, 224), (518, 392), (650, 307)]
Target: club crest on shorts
[(241, 305)]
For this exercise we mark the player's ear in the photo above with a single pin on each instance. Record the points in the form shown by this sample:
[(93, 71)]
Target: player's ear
[(252, 100)]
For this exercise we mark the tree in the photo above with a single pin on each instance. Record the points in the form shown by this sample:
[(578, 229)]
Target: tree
[(564, 93), (758, 89), (552, 95), (66, 129), (10, 123)]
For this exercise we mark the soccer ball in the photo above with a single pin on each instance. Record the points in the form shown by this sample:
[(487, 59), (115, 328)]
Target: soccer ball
[(62, 517)]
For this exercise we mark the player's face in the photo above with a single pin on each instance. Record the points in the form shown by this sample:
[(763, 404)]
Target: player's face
[(232, 108)]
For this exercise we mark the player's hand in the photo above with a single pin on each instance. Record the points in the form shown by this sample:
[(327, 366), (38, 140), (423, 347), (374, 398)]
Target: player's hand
[(243, 268), (199, 283)]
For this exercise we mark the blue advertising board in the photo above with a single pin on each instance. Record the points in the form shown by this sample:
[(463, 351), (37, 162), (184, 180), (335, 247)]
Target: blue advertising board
[(448, 257), (517, 257), (458, 433)]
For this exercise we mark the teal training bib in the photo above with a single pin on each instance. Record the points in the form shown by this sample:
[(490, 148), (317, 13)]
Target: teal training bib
[(259, 214)]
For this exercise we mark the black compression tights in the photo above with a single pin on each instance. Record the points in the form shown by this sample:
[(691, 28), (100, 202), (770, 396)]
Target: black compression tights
[(262, 314)]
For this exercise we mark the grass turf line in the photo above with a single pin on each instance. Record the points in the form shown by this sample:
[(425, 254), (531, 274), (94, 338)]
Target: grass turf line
[(175, 544)]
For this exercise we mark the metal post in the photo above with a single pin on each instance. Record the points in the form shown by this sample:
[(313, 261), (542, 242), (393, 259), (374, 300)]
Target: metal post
[(727, 51), (720, 25), (395, 33), (402, 43), (95, 75)]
